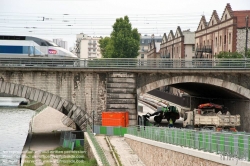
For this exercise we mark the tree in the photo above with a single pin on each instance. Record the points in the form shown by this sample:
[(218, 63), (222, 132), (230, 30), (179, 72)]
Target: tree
[(123, 42), (105, 47)]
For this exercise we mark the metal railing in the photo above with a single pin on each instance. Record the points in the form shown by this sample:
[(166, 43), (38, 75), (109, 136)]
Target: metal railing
[(98, 148), (233, 145), (153, 64)]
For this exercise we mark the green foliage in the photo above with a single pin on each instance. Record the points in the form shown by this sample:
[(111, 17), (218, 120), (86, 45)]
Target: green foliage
[(123, 42), (227, 55), (77, 157), (106, 47), (29, 159)]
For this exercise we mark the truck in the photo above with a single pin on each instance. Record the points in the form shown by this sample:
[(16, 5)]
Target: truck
[(163, 112), (211, 116)]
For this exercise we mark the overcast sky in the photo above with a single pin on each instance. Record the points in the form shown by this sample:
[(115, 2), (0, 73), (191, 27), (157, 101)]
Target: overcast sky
[(65, 18)]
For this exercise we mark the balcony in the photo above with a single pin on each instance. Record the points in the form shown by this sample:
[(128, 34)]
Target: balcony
[(166, 56), (205, 49)]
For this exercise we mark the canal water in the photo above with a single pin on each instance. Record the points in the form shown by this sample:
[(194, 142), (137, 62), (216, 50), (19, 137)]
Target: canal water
[(14, 126)]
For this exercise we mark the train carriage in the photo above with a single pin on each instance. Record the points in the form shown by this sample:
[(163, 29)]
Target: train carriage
[(33, 47)]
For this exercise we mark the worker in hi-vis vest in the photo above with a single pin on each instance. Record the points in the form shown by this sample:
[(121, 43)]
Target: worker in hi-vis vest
[(170, 123)]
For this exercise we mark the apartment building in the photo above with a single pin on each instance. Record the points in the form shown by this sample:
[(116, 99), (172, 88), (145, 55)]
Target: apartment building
[(179, 45), (87, 46), (227, 33), (61, 43), (145, 40)]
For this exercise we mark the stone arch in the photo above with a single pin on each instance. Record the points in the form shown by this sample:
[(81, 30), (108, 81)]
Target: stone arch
[(196, 79), (72, 111)]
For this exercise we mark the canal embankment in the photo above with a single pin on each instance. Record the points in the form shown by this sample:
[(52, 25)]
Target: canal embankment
[(44, 135)]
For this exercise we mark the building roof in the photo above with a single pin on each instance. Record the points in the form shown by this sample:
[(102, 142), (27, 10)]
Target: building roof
[(229, 9), (203, 20), (170, 35), (239, 15), (241, 18), (150, 37), (179, 30), (215, 14), (164, 38)]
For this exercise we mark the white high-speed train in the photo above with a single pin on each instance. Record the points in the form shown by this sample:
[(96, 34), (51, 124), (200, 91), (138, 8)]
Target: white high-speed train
[(26, 46)]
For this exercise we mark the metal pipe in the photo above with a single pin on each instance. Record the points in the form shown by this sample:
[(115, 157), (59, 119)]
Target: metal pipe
[(246, 35)]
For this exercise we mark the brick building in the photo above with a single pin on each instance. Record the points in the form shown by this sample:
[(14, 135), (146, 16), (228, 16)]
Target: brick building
[(178, 45), (144, 44), (225, 34), (153, 49)]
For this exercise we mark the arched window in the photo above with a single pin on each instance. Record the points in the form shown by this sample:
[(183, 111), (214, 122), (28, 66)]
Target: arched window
[(212, 22), (225, 16)]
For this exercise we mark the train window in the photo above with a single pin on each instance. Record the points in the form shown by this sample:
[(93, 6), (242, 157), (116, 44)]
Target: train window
[(50, 43), (43, 44), (12, 38), (36, 40)]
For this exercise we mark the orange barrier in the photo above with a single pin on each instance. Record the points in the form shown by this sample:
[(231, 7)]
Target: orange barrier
[(115, 119)]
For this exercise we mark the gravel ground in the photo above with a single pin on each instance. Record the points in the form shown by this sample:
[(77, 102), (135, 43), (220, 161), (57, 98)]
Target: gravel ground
[(126, 154)]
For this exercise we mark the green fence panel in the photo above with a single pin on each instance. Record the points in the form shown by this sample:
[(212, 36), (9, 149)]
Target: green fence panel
[(221, 148), (70, 144), (172, 136), (197, 140), (78, 143), (124, 130), (188, 138), (248, 141), (117, 131), (214, 144), (228, 144), (181, 140), (241, 146), (162, 135), (175, 141), (65, 143), (201, 141), (207, 141), (192, 139), (103, 130)]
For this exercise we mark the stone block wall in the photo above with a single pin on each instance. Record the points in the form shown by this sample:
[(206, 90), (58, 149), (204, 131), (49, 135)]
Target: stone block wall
[(241, 40), (155, 156), (73, 93), (121, 94)]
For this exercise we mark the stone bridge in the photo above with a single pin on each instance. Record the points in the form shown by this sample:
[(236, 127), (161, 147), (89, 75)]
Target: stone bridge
[(79, 92)]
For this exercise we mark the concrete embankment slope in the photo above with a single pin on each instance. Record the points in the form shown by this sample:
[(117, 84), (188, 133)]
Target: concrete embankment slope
[(46, 127)]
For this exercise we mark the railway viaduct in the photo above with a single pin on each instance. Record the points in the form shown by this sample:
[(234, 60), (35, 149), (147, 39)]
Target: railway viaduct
[(78, 92)]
